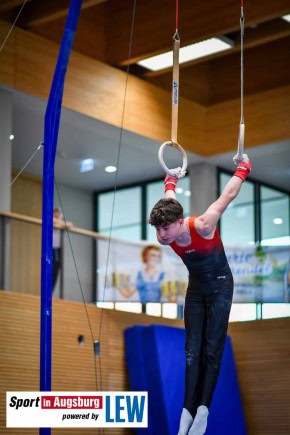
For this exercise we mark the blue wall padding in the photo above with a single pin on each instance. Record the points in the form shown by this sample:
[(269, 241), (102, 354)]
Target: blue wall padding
[(229, 419), (164, 364), (136, 368), (156, 363)]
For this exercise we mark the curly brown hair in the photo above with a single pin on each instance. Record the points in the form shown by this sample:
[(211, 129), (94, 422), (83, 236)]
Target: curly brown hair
[(165, 212)]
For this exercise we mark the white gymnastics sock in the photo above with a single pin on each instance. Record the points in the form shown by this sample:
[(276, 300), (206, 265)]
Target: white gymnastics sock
[(185, 422), (200, 422)]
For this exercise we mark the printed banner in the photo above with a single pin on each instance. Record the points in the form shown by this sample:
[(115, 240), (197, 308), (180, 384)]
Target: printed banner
[(77, 409), (144, 272), (261, 274)]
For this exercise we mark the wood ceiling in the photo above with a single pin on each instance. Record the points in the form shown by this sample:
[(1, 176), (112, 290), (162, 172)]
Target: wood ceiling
[(104, 32)]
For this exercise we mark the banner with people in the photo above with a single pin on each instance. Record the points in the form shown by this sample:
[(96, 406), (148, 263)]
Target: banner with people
[(144, 272)]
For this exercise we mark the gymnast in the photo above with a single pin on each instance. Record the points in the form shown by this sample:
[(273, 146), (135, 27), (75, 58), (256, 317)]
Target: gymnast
[(209, 295)]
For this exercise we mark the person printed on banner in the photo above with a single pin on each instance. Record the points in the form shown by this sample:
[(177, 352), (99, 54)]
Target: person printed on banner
[(58, 226), (209, 294), (149, 278)]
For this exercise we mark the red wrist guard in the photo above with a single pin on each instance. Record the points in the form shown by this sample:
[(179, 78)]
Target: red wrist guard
[(243, 170), (170, 183)]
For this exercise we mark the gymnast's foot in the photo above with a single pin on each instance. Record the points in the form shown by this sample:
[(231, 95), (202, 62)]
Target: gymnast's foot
[(199, 424), (185, 422)]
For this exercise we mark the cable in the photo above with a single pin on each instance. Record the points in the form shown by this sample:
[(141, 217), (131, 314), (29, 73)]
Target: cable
[(22, 169), (111, 224), (11, 28), (79, 281), (116, 177)]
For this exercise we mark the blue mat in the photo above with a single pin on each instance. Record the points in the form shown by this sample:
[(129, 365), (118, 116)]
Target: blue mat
[(156, 363)]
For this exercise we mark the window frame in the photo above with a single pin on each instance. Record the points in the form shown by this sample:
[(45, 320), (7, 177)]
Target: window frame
[(257, 215)]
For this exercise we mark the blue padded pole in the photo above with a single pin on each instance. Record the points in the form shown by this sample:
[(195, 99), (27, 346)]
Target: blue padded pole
[(51, 127)]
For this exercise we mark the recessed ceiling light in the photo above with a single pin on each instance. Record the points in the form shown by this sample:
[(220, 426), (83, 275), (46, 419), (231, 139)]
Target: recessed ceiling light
[(179, 190), (87, 165), (187, 193), (188, 53), (286, 17), (278, 221), (11, 137), (110, 168)]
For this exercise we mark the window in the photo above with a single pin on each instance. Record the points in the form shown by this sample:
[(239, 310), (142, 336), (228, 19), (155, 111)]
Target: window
[(259, 213), (126, 210), (155, 191), (237, 223), (243, 312), (129, 209), (274, 217), (271, 311)]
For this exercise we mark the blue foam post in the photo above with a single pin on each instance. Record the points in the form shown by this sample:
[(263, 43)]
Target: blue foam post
[(136, 367), (51, 127), (156, 363)]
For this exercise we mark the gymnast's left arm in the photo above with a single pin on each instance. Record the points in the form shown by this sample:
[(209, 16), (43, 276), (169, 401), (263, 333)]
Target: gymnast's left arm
[(206, 223)]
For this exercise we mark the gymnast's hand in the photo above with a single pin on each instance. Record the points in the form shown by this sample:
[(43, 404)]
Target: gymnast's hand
[(244, 168)]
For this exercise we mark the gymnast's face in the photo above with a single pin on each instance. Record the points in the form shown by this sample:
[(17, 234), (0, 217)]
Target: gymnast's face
[(168, 233)]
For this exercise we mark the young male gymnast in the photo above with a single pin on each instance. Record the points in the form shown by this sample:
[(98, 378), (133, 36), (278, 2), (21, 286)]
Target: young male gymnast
[(209, 294)]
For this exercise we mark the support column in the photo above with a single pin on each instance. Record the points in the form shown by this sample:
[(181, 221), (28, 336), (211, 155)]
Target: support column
[(5, 149), (5, 181), (203, 186)]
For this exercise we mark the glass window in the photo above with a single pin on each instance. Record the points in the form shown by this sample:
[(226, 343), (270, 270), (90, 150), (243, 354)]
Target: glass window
[(242, 312), (106, 305), (132, 307), (153, 309), (274, 216), (271, 311), (127, 213), (127, 232), (237, 222), (169, 310), (155, 191)]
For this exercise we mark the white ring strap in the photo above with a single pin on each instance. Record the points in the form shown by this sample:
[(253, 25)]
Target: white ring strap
[(175, 89), (239, 156)]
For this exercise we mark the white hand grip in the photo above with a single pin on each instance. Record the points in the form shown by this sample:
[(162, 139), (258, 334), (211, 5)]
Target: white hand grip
[(239, 156)]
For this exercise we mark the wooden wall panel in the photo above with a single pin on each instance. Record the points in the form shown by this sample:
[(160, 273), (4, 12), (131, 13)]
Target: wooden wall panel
[(155, 21), (90, 35), (266, 67), (266, 118), (261, 352), (25, 258), (97, 90), (7, 69)]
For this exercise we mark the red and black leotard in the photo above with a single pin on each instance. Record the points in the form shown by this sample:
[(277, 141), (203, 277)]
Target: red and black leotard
[(203, 257), (206, 313)]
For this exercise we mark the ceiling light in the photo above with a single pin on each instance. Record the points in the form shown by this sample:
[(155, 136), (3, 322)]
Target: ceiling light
[(187, 193), (87, 165), (287, 18), (278, 221), (11, 137), (110, 168), (188, 53)]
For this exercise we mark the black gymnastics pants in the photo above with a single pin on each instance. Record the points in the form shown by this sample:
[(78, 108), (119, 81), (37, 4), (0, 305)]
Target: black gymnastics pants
[(206, 314)]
